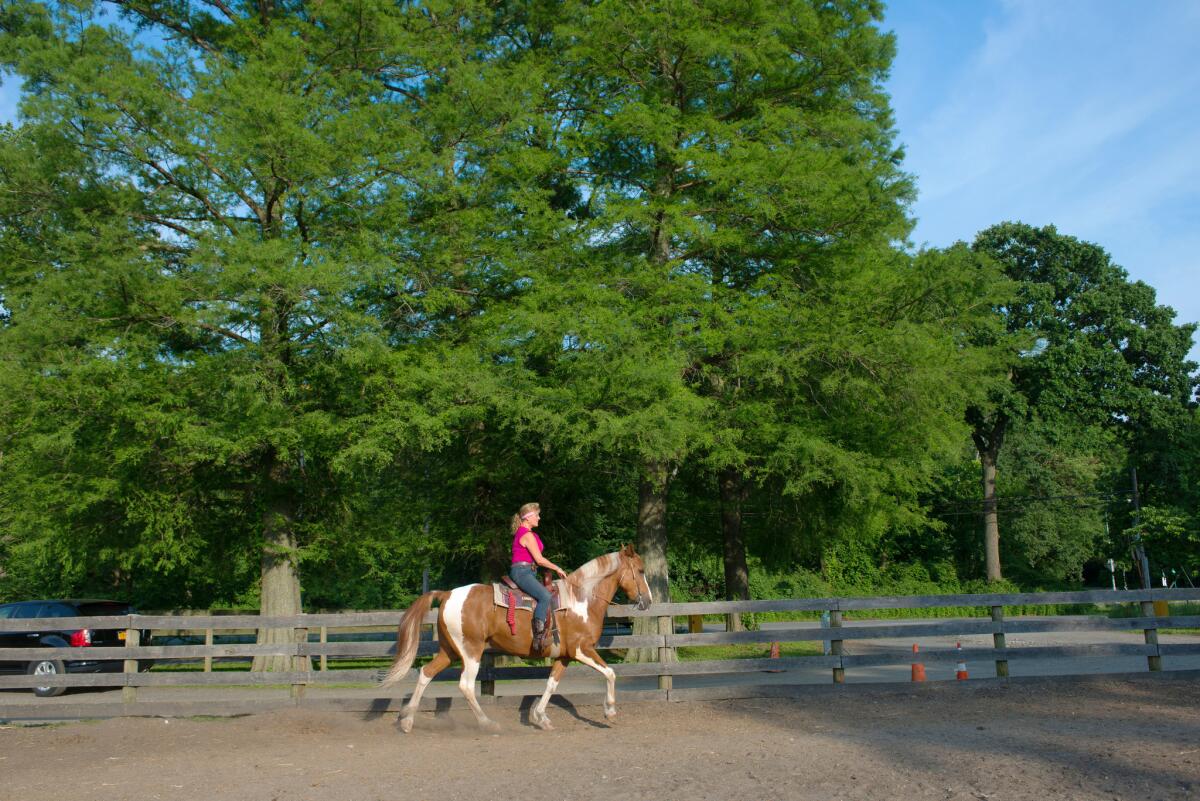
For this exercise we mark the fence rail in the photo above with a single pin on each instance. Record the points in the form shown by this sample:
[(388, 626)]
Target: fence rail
[(308, 648)]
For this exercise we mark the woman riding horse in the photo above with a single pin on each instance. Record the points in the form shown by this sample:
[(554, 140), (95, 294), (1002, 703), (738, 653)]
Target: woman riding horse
[(528, 552), (469, 621)]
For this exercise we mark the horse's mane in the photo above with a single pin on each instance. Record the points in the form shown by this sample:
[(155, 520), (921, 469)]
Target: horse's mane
[(585, 579)]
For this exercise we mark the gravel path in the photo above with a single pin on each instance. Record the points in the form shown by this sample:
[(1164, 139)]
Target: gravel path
[(1096, 738)]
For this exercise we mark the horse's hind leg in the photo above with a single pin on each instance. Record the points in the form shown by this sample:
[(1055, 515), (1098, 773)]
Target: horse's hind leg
[(537, 714), (466, 683), (440, 662)]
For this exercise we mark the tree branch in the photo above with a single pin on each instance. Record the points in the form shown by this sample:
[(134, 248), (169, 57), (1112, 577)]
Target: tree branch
[(174, 25)]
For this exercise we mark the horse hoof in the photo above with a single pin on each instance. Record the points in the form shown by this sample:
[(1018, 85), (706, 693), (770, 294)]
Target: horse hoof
[(406, 725), (543, 723), (610, 712), (490, 726)]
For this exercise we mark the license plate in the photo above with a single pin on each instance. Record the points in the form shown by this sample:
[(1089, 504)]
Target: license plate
[(121, 635)]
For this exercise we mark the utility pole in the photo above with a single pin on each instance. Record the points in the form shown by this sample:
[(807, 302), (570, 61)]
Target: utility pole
[(1139, 553)]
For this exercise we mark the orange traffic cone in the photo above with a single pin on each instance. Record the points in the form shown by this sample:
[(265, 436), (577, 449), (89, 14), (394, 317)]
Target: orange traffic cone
[(774, 655), (961, 672), (918, 670)]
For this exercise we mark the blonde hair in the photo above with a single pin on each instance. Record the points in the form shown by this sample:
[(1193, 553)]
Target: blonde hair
[(521, 513)]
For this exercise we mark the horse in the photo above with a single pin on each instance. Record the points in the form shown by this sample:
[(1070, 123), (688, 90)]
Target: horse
[(469, 621)]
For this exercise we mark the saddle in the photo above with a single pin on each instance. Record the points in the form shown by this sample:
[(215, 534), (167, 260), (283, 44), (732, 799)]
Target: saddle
[(506, 593)]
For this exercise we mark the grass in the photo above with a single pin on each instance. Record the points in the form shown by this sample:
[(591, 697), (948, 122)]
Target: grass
[(700, 653), (753, 619), (1174, 608)]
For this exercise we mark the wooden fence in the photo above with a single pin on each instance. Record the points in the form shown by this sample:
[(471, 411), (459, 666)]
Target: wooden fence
[(310, 648)]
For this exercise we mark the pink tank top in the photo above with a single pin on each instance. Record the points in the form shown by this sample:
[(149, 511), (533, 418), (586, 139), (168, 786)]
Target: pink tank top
[(519, 552)]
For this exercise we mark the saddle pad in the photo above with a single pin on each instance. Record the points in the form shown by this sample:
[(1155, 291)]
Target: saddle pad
[(500, 596)]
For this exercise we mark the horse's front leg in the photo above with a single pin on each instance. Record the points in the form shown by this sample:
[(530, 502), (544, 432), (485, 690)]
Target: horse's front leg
[(588, 656), (537, 713)]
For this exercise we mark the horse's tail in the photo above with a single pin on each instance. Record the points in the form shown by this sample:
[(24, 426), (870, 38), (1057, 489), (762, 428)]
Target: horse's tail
[(409, 635)]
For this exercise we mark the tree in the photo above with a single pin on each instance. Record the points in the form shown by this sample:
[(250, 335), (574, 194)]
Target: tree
[(738, 299), (1086, 346), (265, 223), (727, 150)]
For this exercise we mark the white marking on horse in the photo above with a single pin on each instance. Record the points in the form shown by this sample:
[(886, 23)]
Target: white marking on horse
[(539, 710), (579, 609), (589, 575), (452, 614), (410, 709), (607, 672)]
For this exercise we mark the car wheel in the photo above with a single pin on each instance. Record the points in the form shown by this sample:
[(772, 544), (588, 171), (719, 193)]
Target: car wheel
[(47, 667)]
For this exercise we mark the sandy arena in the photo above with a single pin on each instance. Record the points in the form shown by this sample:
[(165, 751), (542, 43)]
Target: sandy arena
[(1100, 738)]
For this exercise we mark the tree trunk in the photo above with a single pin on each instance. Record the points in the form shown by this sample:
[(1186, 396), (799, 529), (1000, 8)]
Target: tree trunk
[(652, 547), (737, 574), (988, 436), (280, 584), (991, 523)]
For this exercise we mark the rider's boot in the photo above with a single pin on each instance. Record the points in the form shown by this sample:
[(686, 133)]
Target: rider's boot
[(539, 634)]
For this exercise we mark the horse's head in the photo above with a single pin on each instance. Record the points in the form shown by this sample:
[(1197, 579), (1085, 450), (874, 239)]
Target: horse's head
[(633, 578)]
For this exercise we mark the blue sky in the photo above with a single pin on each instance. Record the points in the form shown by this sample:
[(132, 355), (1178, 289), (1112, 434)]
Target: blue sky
[(1084, 114)]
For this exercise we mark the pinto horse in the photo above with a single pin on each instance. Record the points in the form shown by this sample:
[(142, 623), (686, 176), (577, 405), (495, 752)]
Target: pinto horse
[(469, 621)]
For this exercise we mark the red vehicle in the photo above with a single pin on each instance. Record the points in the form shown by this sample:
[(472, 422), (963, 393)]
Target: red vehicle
[(64, 638)]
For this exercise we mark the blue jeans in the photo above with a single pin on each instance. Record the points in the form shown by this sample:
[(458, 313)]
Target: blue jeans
[(527, 580)]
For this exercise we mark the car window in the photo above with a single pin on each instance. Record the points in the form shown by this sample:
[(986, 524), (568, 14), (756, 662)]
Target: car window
[(56, 610), (27, 611), (6, 612), (103, 608)]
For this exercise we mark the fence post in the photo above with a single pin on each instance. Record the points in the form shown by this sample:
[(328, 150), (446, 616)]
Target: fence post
[(324, 640), (487, 673), (133, 638), (208, 641), (998, 641), (666, 654), (835, 646), (1154, 661), (301, 663)]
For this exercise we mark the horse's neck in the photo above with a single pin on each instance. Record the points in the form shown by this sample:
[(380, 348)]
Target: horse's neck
[(602, 595), (603, 588)]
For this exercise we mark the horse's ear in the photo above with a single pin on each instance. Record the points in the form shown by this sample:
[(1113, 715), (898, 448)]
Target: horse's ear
[(628, 550)]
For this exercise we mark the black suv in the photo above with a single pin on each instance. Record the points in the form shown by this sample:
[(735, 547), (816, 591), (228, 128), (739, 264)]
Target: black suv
[(65, 638)]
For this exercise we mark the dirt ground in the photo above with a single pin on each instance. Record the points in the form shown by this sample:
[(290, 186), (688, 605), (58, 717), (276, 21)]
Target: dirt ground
[(1099, 739)]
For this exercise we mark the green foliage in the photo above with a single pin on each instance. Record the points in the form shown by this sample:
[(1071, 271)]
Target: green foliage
[(1093, 363), (1173, 536), (338, 286)]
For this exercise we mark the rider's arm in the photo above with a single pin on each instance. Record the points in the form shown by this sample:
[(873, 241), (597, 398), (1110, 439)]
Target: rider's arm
[(530, 543)]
